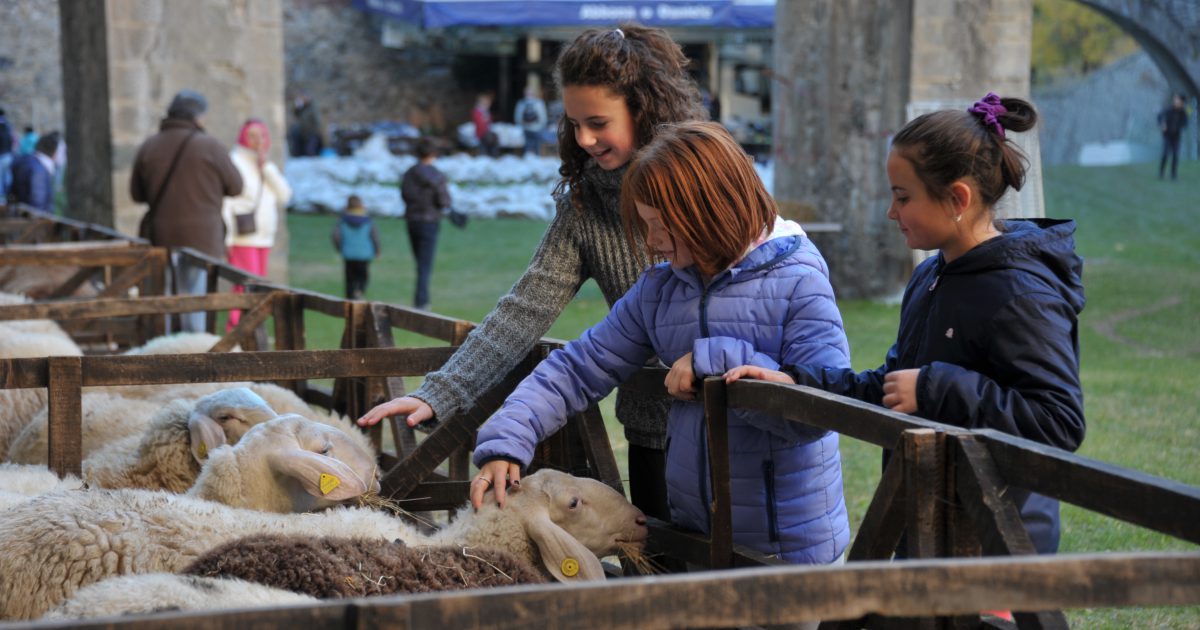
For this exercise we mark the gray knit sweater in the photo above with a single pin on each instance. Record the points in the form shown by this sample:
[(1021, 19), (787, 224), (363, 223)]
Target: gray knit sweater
[(577, 245)]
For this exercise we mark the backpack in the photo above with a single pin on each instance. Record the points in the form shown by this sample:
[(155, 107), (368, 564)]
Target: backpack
[(529, 115)]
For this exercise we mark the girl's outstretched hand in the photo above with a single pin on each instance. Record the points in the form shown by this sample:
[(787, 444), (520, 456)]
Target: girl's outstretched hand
[(415, 408), (757, 373), (900, 390), (681, 380), (496, 475)]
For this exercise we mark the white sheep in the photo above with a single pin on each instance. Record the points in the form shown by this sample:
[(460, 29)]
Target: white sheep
[(57, 543), (106, 418), (156, 592), (21, 482), (169, 451), (177, 343), (19, 406)]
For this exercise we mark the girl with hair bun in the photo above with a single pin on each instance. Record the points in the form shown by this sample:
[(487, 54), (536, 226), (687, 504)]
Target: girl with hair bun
[(989, 329)]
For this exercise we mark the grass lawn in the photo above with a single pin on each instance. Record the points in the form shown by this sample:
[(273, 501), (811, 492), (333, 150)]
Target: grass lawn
[(1140, 332)]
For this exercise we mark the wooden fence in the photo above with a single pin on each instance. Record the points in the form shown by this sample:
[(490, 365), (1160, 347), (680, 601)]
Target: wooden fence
[(944, 490)]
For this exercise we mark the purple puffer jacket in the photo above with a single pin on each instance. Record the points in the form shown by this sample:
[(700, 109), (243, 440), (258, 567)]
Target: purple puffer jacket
[(773, 307)]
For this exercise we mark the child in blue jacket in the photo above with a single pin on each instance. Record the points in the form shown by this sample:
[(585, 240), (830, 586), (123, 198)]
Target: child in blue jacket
[(989, 330), (356, 239), (740, 286)]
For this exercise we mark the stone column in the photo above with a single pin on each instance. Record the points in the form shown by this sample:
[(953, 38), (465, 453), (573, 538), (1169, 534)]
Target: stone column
[(86, 111), (841, 83), (850, 75), (229, 50)]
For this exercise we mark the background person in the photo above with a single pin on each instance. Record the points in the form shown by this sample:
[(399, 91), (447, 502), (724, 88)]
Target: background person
[(426, 197), (264, 193), (530, 113), (356, 240), (1172, 122), (184, 175)]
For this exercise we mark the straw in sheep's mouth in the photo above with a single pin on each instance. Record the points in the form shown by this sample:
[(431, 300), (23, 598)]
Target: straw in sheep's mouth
[(642, 563)]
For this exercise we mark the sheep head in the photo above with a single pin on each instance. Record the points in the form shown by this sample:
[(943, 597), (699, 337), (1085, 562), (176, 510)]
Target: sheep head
[(288, 464), (223, 418), (574, 521)]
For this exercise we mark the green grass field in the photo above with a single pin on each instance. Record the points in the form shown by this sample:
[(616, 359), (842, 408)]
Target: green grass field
[(1140, 332)]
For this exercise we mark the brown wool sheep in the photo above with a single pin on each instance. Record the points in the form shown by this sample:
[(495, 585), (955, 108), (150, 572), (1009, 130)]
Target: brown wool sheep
[(349, 567)]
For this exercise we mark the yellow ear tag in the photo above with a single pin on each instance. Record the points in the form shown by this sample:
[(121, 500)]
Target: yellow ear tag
[(570, 567), (328, 483), (203, 450)]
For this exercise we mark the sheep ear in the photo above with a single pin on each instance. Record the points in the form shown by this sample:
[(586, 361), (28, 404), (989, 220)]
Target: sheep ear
[(320, 476), (206, 434), (563, 556)]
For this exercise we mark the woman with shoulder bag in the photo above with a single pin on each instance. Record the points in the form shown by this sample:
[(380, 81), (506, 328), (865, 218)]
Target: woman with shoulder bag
[(252, 218)]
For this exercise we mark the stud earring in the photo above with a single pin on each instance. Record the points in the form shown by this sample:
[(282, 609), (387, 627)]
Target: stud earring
[(958, 218)]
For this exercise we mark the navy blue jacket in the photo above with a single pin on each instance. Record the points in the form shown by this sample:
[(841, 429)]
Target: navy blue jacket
[(995, 334), (32, 184), (774, 307)]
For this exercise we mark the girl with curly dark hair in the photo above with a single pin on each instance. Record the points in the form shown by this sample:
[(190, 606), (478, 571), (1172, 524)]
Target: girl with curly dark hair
[(618, 85)]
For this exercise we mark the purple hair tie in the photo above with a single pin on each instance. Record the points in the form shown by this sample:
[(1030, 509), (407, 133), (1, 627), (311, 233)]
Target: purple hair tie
[(989, 111)]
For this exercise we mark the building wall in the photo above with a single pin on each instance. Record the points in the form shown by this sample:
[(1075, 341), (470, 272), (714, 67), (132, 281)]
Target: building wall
[(30, 67)]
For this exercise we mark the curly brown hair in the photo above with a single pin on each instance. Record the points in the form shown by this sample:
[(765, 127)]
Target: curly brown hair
[(641, 64)]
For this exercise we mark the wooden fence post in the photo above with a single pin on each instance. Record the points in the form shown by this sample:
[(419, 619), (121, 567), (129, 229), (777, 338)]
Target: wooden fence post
[(721, 520), (64, 394)]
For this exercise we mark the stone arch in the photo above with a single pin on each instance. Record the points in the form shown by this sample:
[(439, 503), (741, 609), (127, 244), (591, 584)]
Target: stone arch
[(1169, 32)]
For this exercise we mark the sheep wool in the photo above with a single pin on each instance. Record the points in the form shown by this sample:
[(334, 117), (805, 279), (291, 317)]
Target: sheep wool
[(21, 482), (332, 567), (159, 592), (56, 543), (107, 418), (165, 455), (19, 406)]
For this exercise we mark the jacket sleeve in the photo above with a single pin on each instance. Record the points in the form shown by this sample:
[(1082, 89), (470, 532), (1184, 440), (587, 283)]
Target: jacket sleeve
[(866, 386), (1033, 350), (567, 381), (442, 193), (516, 323), (278, 183), (812, 335), (231, 179), (137, 184), (41, 189)]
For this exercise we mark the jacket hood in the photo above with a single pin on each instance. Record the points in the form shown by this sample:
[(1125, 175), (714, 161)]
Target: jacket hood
[(785, 238), (1044, 248), (355, 220)]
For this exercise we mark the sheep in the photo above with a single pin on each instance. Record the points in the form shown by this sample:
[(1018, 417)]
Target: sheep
[(168, 454), (41, 281), (57, 543), (271, 567), (333, 567), (20, 482), (21, 326), (107, 418), (160, 592), (176, 343), (19, 406)]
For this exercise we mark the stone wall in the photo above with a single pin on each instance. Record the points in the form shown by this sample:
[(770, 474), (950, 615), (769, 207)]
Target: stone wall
[(1116, 103), (30, 70), (334, 53)]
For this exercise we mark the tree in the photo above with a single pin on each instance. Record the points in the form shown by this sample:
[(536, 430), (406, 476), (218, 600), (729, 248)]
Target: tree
[(1071, 39)]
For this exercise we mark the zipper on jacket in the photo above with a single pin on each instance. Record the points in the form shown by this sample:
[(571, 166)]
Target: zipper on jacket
[(772, 517), (702, 462), (704, 313), (936, 279)]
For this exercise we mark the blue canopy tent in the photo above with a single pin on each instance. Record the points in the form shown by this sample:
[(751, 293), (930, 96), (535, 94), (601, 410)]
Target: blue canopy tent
[(432, 14)]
